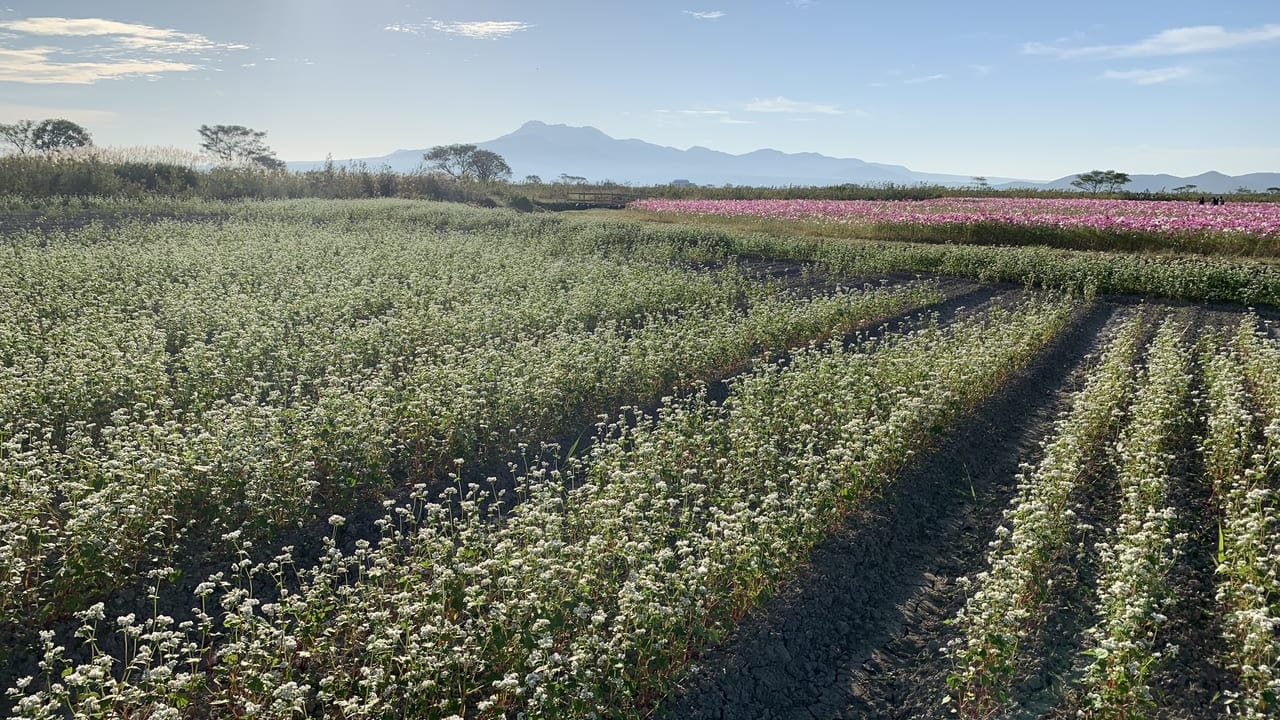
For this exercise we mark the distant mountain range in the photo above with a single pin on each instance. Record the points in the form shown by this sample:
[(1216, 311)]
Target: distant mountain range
[(550, 151)]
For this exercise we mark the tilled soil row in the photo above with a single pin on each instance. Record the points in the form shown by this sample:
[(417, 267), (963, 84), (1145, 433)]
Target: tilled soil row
[(1050, 657), (1192, 684), (1060, 700), (861, 632)]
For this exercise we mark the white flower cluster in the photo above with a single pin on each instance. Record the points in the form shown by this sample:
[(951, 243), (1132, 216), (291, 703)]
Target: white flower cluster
[(595, 588), (1007, 604), (1242, 456), (1141, 548), (171, 378)]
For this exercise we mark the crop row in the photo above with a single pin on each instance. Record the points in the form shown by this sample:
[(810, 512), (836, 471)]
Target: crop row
[(1242, 458), (1008, 602), (589, 592), (188, 379), (1190, 278), (1030, 262), (1137, 555), (1128, 645)]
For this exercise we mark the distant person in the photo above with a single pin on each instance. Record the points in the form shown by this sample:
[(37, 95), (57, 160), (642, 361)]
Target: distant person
[(1222, 201), (1215, 201), (1201, 199)]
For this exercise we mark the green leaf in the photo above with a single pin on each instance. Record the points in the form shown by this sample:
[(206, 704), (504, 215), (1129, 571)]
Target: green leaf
[(1222, 553)]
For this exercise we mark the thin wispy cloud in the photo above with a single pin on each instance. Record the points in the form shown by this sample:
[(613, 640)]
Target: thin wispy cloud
[(735, 121), (37, 66), (705, 14), (1174, 41), (123, 50), (1153, 76), (925, 79), (781, 104), (477, 30), (127, 35)]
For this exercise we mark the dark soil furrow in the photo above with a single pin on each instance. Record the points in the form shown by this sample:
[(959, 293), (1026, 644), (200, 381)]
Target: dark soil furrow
[(1073, 608), (1053, 653), (860, 633), (1187, 684), (1191, 684)]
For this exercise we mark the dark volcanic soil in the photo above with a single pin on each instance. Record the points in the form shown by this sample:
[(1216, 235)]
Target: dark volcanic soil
[(860, 634), (1191, 685)]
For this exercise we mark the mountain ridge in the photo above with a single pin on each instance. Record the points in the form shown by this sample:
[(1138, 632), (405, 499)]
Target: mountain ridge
[(550, 150)]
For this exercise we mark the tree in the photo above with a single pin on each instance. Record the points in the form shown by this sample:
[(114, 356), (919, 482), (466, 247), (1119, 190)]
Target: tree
[(532, 180), (450, 159), (980, 182), (488, 166), (1115, 180), (237, 143), (468, 162), (19, 135), (50, 136), (1091, 181), (1274, 190), (568, 179), (1095, 180), (1185, 188)]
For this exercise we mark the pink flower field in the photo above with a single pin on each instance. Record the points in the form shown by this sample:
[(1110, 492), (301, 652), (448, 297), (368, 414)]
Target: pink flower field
[(1167, 218)]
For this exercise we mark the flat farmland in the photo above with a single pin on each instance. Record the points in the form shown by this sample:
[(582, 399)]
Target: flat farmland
[(1244, 229), (406, 459)]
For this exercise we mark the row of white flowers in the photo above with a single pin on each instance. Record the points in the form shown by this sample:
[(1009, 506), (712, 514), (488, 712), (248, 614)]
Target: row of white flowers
[(588, 596), (1242, 459), (1007, 602), (1141, 548), (170, 379)]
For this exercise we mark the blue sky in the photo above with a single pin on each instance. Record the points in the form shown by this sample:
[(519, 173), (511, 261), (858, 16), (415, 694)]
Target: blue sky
[(1016, 89)]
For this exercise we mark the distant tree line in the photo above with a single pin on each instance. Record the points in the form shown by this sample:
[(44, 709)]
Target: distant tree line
[(57, 157)]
